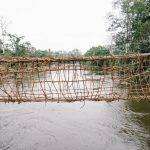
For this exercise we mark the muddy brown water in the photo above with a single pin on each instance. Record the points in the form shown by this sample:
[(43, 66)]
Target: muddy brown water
[(89, 125), (118, 125)]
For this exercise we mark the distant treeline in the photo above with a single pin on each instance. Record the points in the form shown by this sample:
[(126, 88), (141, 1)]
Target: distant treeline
[(15, 45), (130, 29)]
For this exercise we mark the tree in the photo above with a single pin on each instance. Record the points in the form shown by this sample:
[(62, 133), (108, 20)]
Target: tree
[(97, 51), (132, 26), (41, 53), (18, 46), (74, 52)]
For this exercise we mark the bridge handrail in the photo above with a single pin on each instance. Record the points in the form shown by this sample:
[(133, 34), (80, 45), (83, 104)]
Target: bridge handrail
[(72, 58)]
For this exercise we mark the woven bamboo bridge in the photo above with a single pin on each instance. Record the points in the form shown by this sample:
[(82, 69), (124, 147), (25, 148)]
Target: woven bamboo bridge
[(75, 78)]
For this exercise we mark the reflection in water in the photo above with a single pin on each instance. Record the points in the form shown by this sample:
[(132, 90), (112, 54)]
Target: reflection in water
[(118, 125), (141, 117)]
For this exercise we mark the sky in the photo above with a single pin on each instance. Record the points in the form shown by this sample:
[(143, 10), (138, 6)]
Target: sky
[(59, 24)]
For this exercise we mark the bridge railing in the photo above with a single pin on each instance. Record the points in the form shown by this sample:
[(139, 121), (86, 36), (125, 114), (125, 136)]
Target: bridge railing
[(75, 78)]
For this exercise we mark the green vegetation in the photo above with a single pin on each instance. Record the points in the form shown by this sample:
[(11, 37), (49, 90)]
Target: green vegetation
[(40, 53), (97, 51), (97, 65), (74, 52), (17, 45), (132, 26), (7, 52), (14, 45)]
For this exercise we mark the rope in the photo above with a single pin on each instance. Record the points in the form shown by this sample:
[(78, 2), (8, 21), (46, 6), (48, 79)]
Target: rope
[(75, 78)]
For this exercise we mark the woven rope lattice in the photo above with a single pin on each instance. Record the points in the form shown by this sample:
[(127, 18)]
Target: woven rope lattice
[(75, 78)]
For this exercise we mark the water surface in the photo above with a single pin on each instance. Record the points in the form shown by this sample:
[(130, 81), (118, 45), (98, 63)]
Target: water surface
[(118, 125)]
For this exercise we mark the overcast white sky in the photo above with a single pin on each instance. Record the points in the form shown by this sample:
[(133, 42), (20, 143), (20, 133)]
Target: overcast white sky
[(59, 24)]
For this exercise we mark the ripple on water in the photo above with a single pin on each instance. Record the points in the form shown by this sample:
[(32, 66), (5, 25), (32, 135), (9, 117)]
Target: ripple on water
[(44, 126)]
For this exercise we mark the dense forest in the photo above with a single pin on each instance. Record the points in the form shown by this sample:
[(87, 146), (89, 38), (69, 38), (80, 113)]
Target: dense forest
[(130, 26)]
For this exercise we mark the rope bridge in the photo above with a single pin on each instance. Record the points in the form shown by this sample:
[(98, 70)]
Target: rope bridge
[(75, 78)]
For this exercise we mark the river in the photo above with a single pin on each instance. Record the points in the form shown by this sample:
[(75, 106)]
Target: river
[(80, 125), (117, 125)]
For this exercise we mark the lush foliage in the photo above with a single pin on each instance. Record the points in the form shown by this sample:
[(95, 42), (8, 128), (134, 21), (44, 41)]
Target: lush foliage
[(132, 26), (97, 51), (14, 45), (40, 53), (18, 46)]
